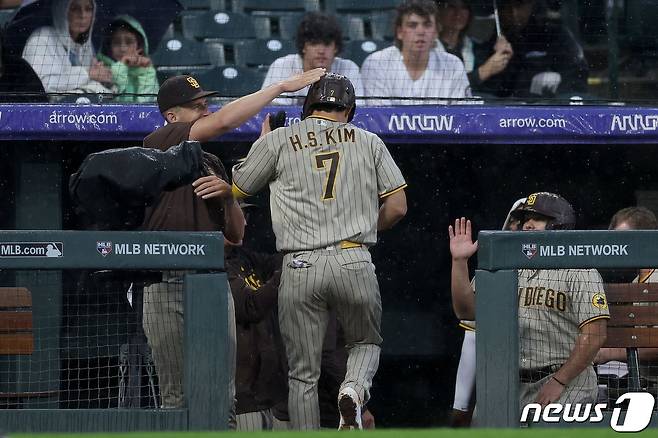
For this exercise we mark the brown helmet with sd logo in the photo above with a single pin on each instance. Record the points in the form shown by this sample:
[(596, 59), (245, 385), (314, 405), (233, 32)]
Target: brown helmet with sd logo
[(560, 213)]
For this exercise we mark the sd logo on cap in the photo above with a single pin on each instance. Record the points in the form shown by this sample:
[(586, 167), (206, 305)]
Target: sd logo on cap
[(179, 90)]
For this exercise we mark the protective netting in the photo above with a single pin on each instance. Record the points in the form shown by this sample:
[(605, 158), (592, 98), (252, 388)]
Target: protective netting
[(555, 51), (561, 317), (74, 340), (629, 361)]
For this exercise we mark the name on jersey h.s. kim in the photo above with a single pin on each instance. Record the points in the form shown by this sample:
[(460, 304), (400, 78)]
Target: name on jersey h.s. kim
[(329, 136)]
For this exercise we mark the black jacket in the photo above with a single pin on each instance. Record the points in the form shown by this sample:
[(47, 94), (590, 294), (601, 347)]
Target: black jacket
[(542, 46), (112, 188), (261, 375), (19, 83)]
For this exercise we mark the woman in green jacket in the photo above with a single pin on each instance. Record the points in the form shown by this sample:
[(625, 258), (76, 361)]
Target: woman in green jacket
[(125, 51)]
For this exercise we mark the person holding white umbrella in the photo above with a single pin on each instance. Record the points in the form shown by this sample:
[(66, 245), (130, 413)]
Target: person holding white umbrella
[(547, 61), (454, 19)]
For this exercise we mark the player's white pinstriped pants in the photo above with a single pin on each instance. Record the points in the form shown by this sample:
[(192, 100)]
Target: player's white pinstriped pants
[(163, 326), (345, 281), (255, 421)]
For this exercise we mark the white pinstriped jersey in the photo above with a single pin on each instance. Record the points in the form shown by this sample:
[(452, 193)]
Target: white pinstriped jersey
[(325, 178), (553, 305)]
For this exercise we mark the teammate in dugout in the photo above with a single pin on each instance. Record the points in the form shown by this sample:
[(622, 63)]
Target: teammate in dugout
[(464, 401), (205, 205), (333, 186), (563, 313)]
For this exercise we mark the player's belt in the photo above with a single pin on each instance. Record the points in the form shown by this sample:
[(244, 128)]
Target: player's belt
[(344, 244), (536, 374)]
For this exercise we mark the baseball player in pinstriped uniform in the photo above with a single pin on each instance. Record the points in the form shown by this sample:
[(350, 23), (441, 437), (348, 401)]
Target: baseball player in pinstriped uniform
[(562, 312), (333, 186), (463, 404)]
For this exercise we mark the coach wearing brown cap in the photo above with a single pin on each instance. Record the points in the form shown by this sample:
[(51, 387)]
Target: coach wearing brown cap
[(205, 205)]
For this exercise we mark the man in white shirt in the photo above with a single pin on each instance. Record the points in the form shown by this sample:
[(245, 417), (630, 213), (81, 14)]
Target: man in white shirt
[(319, 40), (411, 68)]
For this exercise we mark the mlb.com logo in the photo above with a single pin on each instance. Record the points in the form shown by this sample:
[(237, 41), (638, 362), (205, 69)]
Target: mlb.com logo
[(637, 418)]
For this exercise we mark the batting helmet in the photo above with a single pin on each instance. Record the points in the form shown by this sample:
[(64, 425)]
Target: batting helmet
[(560, 213), (332, 89)]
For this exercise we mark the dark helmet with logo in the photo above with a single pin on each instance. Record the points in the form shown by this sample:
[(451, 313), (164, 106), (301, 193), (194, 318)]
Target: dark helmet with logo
[(334, 90), (560, 213)]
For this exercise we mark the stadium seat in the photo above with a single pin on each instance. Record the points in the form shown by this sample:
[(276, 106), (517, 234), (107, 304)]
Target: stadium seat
[(232, 80), (258, 53), (215, 5), (287, 24), (6, 15), (357, 51), (217, 52), (381, 25), (640, 20), (343, 6), (275, 6), (353, 27), (177, 52), (219, 25), (166, 73)]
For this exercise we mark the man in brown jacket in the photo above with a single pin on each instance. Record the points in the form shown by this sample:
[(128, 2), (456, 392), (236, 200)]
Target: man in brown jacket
[(206, 205)]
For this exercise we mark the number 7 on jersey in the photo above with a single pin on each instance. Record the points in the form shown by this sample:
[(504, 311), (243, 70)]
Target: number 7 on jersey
[(330, 182)]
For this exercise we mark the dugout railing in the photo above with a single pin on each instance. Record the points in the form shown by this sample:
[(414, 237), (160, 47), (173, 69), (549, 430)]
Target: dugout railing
[(500, 255), (27, 256)]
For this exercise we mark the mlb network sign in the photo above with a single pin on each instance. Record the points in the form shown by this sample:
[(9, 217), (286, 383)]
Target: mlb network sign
[(637, 418), (530, 250)]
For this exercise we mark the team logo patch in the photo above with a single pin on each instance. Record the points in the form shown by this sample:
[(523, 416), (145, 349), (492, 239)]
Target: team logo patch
[(104, 248), (529, 250), (193, 82), (599, 301), (531, 199)]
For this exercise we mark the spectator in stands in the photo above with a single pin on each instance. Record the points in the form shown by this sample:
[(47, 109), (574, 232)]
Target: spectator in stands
[(454, 18), (125, 51), (18, 82), (547, 59), (411, 67), (62, 54), (319, 41)]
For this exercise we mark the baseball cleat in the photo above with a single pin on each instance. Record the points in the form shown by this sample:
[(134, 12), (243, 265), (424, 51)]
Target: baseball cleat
[(350, 410)]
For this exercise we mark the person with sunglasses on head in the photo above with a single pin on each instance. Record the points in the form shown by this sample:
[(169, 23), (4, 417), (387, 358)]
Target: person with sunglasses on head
[(205, 205)]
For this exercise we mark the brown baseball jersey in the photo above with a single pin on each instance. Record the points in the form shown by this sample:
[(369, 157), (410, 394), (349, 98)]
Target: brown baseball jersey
[(326, 179)]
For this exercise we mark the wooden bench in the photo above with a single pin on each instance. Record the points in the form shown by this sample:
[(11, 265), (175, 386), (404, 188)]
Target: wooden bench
[(16, 337), (632, 324)]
